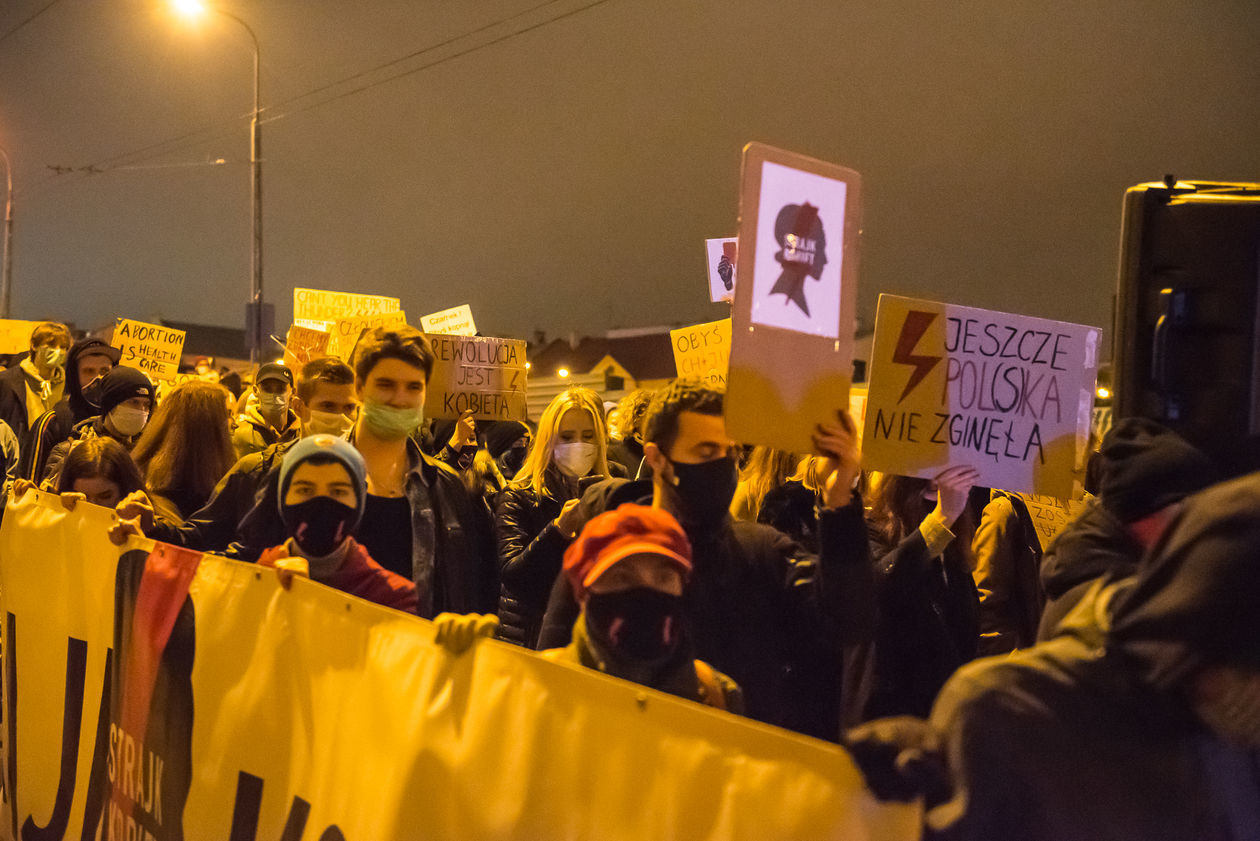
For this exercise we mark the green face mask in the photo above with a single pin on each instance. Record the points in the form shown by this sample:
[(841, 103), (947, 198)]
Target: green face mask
[(389, 423)]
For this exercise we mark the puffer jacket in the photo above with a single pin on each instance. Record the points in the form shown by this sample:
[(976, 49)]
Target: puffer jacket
[(531, 550)]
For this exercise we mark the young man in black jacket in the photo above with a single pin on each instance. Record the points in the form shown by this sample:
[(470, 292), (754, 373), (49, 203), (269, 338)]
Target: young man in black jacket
[(760, 607)]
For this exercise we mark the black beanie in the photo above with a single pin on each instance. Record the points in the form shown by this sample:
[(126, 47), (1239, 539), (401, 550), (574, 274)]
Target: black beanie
[(503, 435), (1146, 466), (121, 384)]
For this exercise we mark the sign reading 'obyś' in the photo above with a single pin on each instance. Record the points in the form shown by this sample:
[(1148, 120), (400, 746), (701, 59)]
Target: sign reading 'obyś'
[(1009, 395), (324, 305), (151, 348), (477, 374), (703, 352)]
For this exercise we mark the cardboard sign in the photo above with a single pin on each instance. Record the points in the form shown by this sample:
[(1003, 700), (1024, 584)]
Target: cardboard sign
[(478, 374), (15, 335), (795, 298), (151, 348), (304, 344), (722, 255), (703, 352), (314, 324), (457, 321), (322, 305), (1050, 515), (345, 332), (1009, 395)]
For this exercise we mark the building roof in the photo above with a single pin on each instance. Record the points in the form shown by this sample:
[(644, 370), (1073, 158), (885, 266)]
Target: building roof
[(212, 340), (646, 357)]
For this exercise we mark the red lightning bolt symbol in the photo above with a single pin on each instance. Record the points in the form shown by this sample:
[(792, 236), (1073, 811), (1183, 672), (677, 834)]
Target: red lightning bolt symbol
[(915, 325)]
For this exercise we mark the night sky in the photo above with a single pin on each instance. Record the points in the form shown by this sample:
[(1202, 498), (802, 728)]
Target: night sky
[(564, 179)]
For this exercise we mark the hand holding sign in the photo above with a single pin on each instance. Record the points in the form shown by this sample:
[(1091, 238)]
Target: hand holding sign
[(953, 486), (837, 443)]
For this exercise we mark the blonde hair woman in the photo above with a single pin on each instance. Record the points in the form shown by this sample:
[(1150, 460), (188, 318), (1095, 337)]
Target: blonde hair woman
[(535, 517)]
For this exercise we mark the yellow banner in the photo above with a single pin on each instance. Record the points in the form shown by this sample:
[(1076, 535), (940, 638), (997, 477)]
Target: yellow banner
[(307, 713)]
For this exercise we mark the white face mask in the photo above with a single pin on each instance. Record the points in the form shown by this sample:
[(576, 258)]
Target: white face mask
[(52, 356), (328, 423), (272, 403), (128, 421), (1233, 711), (575, 459)]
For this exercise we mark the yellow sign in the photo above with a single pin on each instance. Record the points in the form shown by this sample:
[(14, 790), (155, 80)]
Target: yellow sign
[(15, 335), (703, 352), (304, 344), (457, 321), (323, 305), (154, 349), (345, 332), (477, 374), (1051, 515), (245, 710), (1009, 395)]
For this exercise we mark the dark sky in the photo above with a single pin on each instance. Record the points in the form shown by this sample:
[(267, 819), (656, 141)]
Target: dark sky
[(565, 179)]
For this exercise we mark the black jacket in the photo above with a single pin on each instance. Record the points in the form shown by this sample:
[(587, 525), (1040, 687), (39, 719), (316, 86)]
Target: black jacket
[(13, 407), (1092, 546), (91, 428), (530, 550), (757, 603), (55, 426)]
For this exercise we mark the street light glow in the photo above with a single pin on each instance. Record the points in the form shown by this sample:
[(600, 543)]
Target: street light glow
[(189, 8)]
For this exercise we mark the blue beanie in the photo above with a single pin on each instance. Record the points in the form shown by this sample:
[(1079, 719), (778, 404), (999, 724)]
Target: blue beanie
[(326, 447)]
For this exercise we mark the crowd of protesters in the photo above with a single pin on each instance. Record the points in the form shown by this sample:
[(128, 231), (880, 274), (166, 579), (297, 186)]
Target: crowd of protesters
[(1106, 688)]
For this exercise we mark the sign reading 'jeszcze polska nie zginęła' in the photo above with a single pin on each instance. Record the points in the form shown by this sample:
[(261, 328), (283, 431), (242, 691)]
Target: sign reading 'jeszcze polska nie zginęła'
[(476, 374)]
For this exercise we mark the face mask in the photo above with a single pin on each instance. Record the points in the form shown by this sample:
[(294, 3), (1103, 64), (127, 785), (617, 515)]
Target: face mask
[(328, 423), (1233, 714), (575, 459), (319, 525), (390, 423), (272, 403), (706, 490), (127, 421), (639, 624), (52, 356), (92, 392), (511, 460)]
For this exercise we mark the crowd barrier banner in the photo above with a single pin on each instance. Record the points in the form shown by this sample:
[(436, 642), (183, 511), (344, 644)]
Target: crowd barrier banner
[(178, 695), (457, 321), (323, 305), (151, 348), (721, 256), (1009, 395), (703, 351)]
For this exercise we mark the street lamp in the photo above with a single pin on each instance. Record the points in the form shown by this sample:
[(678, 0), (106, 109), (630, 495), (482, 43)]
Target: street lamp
[(6, 269), (255, 330)]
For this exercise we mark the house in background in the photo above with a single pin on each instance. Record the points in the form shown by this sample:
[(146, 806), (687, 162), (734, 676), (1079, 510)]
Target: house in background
[(612, 365)]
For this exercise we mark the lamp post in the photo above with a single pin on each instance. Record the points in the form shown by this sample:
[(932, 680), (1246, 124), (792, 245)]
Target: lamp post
[(255, 329), (6, 268)]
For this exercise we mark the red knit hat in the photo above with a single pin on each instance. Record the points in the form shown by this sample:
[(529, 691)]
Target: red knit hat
[(615, 535)]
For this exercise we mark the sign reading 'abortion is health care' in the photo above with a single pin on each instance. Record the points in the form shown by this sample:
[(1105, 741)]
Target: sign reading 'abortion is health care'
[(1007, 394)]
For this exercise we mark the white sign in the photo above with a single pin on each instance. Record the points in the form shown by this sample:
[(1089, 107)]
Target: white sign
[(722, 254), (457, 321)]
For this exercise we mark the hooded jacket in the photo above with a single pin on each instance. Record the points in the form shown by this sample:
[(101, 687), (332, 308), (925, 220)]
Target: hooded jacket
[(1090, 735)]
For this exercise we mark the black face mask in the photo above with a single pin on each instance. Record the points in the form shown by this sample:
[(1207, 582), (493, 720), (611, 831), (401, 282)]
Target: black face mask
[(706, 491), (640, 624), (511, 460), (319, 525), (92, 392)]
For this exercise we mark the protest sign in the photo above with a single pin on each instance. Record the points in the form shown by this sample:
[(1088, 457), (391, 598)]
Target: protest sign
[(15, 335), (1009, 395), (722, 255), (1050, 515), (457, 321), (703, 352), (478, 374), (304, 344), (109, 726), (795, 299), (345, 332), (323, 305), (154, 349)]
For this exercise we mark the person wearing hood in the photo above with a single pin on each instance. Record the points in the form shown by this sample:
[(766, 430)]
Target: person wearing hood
[(534, 517), (322, 494), (507, 442), (628, 570), (37, 383), (1145, 471), (758, 604), (271, 419), (126, 400), (88, 361), (1140, 721)]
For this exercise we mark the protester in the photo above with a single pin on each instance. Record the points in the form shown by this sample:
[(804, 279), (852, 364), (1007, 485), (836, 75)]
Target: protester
[(507, 443), (928, 606), (765, 469), (1006, 574), (1141, 720), (10, 456), (535, 518), (322, 493), (36, 384), (186, 449), (757, 601), (126, 401), (100, 470), (628, 569), (270, 420), (1144, 471), (626, 433), (88, 360)]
